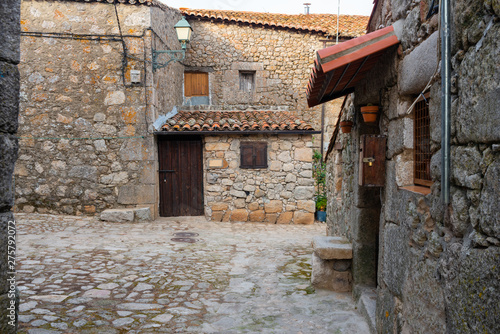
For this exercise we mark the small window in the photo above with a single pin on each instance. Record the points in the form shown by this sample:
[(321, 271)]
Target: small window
[(195, 84), (247, 81), (422, 140), (253, 155)]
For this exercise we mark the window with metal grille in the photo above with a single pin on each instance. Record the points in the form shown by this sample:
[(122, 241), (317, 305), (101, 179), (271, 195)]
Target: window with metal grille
[(422, 140), (247, 81), (253, 155)]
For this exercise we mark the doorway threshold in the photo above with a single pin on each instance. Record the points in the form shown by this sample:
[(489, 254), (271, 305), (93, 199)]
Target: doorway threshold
[(367, 304)]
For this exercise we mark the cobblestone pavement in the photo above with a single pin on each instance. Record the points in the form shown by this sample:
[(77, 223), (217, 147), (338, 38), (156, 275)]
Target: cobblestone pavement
[(79, 275)]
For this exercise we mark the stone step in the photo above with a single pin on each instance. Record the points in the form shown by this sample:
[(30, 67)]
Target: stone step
[(331, 263), (367, 305), (332, 248), (127, 215)]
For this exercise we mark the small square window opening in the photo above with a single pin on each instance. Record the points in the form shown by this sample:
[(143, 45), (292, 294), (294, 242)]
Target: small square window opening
[(247, 81), (253, 155), (195, 84)]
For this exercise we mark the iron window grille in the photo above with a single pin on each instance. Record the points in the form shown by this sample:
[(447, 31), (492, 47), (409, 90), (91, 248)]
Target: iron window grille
[(422, 142)]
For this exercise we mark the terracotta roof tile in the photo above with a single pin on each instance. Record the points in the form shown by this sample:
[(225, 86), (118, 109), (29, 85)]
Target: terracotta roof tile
[(213, 121), (349, 25)]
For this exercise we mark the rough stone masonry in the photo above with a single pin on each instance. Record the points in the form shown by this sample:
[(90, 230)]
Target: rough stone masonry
[(283, 193), (436, 271), (9, 110), (75, 85)]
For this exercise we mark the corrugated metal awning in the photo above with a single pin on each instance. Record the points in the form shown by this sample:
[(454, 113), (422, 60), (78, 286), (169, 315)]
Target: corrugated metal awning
[(340, 67)]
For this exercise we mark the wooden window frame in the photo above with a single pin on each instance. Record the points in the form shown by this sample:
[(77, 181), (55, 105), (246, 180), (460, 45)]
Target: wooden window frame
[(243, 74), (421, 132), (203, 90), (258, 155)]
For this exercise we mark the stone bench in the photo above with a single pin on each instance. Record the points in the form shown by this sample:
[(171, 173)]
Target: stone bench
[(331, 264), (128, 215)]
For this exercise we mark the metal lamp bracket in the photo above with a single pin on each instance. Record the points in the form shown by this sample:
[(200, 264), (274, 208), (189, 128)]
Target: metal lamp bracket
[(174, 55)]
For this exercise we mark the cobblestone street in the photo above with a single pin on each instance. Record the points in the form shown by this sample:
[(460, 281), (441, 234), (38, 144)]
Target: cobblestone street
[(79, 275)]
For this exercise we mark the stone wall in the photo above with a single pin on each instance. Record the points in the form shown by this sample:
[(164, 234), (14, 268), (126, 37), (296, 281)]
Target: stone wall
[(437, 265), (86, 136), (281, 59), (9, 110), (282, 193)]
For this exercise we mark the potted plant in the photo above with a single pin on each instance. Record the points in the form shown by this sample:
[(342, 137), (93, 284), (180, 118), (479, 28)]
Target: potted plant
[(319, 174), (369, 113), (346, 126), (321, 208)]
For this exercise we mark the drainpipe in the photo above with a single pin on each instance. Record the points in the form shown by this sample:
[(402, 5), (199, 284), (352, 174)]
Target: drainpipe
[(322, 131), (445, 100)]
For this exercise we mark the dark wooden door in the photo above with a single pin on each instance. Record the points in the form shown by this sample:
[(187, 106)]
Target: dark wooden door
[(180, 175)]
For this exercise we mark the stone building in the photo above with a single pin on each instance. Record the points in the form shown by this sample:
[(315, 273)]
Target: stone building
[(88, 142), (273, 51), (9, 110), (254, 67), (433, 265)]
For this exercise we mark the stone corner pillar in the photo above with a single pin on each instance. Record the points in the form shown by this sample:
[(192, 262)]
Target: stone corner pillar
[(10, 12)]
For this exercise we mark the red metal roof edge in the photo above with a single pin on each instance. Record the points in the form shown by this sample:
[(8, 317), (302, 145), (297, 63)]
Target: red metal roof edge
[(318, 71), (326, 52), (365, 51)]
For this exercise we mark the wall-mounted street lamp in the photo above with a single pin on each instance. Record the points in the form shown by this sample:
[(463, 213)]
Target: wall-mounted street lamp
[(183, 30)]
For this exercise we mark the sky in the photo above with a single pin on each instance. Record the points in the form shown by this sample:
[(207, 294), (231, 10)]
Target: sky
[(352, 7)]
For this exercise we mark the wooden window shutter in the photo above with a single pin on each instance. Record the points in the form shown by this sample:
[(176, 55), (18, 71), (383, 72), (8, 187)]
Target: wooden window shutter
[(195, 84), (260, 154), (246, 152), (253, 155), (247, 81), (372, 160)]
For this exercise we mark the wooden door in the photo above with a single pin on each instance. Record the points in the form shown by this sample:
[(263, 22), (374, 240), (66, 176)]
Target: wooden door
[(180, 176)]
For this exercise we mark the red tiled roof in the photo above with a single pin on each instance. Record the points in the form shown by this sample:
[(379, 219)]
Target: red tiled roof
[(349, 25), (340, 67), (235, 121)]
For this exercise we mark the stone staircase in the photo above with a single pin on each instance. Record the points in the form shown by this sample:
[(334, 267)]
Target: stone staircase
[(127, 215)]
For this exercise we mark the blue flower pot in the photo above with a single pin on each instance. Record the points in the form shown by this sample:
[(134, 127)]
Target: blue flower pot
[(321, 216)]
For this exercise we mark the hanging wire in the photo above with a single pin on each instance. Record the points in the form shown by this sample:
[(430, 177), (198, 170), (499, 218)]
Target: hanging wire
[(124, 59)]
